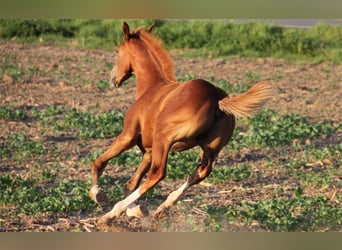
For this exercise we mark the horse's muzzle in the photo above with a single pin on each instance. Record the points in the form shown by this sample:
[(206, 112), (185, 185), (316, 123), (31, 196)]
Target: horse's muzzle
[(116, 84), (117, 79), (113, 78)]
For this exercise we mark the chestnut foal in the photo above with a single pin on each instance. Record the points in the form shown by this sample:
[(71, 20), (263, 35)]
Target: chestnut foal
[(168, 117)]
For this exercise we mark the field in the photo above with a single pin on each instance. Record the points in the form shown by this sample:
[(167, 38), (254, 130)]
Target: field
[(280, 172)]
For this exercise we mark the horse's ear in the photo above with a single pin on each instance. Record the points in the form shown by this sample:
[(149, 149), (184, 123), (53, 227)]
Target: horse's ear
[(126, 31), (149, 30)]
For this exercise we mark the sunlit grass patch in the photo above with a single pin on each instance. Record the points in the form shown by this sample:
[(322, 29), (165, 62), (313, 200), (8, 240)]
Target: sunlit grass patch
[(29, 195), (19, 146), (295, 214), (11, 113), (269, 128)]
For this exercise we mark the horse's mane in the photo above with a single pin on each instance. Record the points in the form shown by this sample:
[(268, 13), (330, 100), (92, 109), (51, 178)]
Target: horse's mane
[(156, 47)]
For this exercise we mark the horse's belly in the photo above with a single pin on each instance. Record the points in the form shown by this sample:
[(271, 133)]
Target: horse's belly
[(181, 146)]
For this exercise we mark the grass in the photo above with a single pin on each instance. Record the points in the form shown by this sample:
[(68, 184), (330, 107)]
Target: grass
[(271, 129), (82, 124), (278, 173), (294, 214), (45, 189), (10, 113), (32, 196), (19, 146), (200, 37)]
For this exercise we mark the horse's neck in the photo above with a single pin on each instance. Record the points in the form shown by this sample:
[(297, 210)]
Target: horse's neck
[(148, 74), (143, 85)]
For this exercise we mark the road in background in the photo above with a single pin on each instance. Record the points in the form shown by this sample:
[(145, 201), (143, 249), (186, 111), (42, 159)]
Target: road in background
[(297, 23)]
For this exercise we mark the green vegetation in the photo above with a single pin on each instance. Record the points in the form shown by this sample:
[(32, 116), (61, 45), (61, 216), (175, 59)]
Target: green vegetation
[(44, 191), (31, 196), (266, 129), (280, 172), (295, 214), (19, 146), (10, 113), (13, 73), (87, 125), (202, 37), (271, 129), (234, 173)]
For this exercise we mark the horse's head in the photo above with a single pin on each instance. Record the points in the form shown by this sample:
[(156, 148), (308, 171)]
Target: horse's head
[(123, 68)]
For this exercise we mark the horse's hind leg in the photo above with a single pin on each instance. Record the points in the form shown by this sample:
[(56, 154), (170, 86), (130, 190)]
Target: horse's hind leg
[(133, 183), (123, 142), (201, 172), (211, 145)]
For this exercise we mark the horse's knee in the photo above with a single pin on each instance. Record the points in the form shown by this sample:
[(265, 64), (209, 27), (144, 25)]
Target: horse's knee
[(98, 164), (142, 169)]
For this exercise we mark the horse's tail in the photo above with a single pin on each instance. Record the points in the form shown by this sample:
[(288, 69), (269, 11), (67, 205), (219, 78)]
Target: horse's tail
[(247, 103)]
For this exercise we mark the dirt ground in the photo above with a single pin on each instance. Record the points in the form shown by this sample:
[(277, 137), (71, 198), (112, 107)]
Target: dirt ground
[(67, 76)]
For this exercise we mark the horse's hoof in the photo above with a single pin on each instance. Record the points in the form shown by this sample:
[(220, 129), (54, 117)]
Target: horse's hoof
[(138, 211), (92, 194), (100, 198), (159, 214), (104, 220)]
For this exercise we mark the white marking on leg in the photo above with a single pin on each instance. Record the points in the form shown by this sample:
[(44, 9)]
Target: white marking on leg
[(121, 206), (93, 192), (172, 198), (94, 189)]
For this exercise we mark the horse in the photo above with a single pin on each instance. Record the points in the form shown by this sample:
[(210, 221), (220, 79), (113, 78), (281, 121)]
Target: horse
[(167, 116)]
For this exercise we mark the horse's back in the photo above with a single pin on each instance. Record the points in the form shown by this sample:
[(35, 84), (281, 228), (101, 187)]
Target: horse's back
[(189, 110), (190, 97), (179, 110)]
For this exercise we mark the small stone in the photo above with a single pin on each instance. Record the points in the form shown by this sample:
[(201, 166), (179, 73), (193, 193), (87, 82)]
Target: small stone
[(7, 79)]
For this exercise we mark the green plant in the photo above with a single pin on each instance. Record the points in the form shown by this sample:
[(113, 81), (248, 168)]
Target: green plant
[(235, 173), (31, 198), (269, 128), (182, 164), (201, 37), (13, 72), (37, 27), (20, 146), (103, 84), (294, 214), (81, 123), (92, 126), (11, 113)]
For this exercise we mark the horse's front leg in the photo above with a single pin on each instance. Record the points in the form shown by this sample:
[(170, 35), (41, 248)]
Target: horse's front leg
[(156, 173), (123, 142), (132, 184)]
